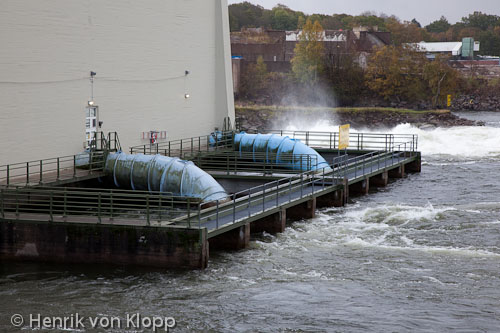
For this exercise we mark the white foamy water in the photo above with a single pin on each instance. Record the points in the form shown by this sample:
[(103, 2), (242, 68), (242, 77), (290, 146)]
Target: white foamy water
[(420, 255), (460, 142)]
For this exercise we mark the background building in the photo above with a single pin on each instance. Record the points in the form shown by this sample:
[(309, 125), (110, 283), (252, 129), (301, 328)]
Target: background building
[(140, 52), (458, 50), (276, 47)]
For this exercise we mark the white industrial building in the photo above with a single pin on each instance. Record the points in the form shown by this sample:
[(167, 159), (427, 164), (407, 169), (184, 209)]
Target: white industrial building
[(160, 66), (454, 49)]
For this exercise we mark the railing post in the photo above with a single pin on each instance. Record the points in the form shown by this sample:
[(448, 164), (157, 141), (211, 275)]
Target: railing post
[(27, 172), (147, 209), (217, 216), (301, 184), (51, 213), (199, 215), (74, 165), (58, 168), (8, 175), (189, 212), (324, 177), (169, 152), (111, 204), (65, 202), (330, 140), (234, 207), (99, 207), (41, 172), (249, 202), (1, 203), (277, 192), (17, 201), (289, 189), (264, 197)]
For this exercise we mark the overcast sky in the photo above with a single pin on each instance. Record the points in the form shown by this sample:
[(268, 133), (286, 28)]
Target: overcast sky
[(425, 11)]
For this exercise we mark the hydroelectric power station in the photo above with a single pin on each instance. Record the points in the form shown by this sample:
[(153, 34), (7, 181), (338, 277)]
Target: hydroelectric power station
[(166, 204), (164, 201)]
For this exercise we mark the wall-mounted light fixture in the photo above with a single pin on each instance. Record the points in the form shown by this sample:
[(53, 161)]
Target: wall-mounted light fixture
[(186, 96)]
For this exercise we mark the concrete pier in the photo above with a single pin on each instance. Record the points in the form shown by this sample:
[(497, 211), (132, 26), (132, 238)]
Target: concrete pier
[(233, 240), (165, 247), (305, 210), (415, 166), (360, 188), (398, 172), (332, 199), (380, 180), (273, 224)]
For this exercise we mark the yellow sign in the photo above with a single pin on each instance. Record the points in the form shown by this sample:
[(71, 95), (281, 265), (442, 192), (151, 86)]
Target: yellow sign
[(344, 136), (448, 102)]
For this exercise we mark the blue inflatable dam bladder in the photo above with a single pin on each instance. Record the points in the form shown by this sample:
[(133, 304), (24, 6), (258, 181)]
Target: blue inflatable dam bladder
[(280, 150), (162, 174)]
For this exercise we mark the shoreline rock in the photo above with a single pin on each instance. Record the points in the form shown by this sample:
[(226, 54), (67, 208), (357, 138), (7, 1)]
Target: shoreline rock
[(265, 117)]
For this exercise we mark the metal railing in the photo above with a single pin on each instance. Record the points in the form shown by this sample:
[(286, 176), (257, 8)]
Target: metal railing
[(101, 141), (179, 148), (256, 200), (50, 169), (92, 205), (357, 141), (235, 162)]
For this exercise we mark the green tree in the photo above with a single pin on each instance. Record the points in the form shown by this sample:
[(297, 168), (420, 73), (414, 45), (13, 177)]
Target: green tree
[(405, 32), (395, 73), (255, 79), (283, 18), (440, 78), (441, 25), (414, 21), (248, 15), (346, 77), (481, 21), (307, 63)]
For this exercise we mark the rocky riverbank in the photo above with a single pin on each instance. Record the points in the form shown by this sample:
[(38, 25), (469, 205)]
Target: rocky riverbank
[(266, 117), (476, 103)]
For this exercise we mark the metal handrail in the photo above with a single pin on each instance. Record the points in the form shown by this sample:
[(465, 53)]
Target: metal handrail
[(273, 194), (53, 169), (234, 161), (73, 204), (357, 141), (181, 147), (50, 169)]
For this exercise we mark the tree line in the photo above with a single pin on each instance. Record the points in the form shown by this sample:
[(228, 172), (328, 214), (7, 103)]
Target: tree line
[(394, 75), (482, 27)]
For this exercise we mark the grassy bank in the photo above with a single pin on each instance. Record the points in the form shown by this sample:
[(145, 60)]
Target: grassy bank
[(272, 109)]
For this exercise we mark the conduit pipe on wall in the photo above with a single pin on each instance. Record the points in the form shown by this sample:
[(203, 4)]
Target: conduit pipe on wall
[(282, 150), (163, 174)]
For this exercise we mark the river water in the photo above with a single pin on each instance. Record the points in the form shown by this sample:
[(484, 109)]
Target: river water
[(422, 254)]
